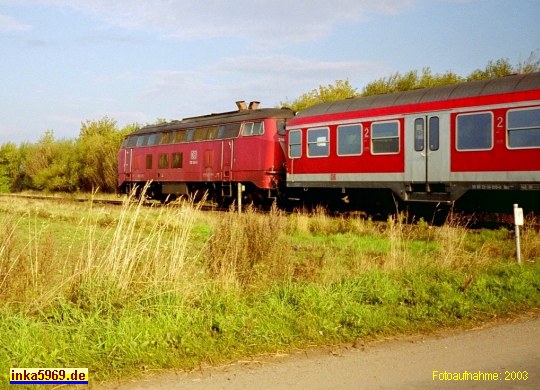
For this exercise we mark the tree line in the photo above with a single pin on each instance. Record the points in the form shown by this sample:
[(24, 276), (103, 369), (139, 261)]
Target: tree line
[(89, 162)]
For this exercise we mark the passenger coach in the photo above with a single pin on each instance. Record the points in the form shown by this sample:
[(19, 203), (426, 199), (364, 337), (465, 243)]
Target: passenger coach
[(212, 153), (475, 142)]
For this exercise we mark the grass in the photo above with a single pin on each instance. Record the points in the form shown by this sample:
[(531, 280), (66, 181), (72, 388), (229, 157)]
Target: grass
[(126, 290)]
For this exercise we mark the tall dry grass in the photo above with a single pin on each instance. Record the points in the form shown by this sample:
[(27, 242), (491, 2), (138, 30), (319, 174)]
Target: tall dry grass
[(108, 259), (248, 248)]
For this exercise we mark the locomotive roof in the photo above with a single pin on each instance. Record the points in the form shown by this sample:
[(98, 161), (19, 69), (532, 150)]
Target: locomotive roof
[(514, 83), (218, 118)]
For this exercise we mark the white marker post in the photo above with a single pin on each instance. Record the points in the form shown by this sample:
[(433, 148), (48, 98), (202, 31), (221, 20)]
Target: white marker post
[(518, 221), (240, 189)]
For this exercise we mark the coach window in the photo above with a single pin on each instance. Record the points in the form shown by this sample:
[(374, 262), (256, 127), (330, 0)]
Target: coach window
[(177, 160), (295, 143), (434, 133), (318, 142), (524, 128), (474, 131), (148, 161), (163, 161), (349, 140), (385, 137), (419, 141)]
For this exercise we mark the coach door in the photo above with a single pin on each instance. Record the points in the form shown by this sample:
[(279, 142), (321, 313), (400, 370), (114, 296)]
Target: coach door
[(427, 145)]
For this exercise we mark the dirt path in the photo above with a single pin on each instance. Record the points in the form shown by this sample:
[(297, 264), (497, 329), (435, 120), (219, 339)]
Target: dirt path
[(410, 363)]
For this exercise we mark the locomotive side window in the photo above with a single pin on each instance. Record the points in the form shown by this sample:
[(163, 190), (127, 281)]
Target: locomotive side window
[(523, 128), (131, 141), (475, 131), (180, 136), (165, 138), (153, 139), (148, 161), (141, 141), (385, 137), (212, 132), (318, 142), (163, 161), (177, 160), (200, 134), (295, 143), (349, 140)]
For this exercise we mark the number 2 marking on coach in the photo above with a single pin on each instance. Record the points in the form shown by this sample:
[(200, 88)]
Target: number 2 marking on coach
[(366, 132), (500, 121)]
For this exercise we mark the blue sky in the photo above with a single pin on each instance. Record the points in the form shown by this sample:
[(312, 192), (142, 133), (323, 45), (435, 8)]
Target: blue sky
[(67, 61)]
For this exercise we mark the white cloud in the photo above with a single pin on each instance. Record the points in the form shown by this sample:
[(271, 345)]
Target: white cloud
[(260, 21), (270, 80), (9, 24)]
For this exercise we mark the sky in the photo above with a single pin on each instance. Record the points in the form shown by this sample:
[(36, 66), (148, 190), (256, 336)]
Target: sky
[(64, 62)]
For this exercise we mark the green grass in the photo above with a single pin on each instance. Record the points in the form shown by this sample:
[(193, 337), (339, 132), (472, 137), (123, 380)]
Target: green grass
[(124, 290)]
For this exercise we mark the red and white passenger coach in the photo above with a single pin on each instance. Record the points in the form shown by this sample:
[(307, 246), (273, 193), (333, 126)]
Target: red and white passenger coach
[(476, 141), (211, 153)]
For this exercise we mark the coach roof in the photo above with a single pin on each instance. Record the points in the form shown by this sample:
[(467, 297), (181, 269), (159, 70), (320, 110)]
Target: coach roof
[(514, 83)]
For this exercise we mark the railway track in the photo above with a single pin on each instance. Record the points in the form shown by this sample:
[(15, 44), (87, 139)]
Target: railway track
[(475, 221), (57, 198), (97, 200)]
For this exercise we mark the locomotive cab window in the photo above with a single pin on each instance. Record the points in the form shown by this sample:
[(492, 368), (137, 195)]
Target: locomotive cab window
[(253, 128), (349, 140), (474, 131), (385, 137), (280, 124), (318, 142), (295, 143), (523, 127)]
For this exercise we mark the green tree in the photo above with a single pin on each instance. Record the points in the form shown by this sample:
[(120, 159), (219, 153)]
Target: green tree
[(9, 157), (97, 154), (398, 82), (340, 90), (493, 70), (530, 65)]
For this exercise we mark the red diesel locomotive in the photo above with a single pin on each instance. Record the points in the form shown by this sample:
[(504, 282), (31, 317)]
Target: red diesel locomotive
[(475, 142), (209, 154)]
